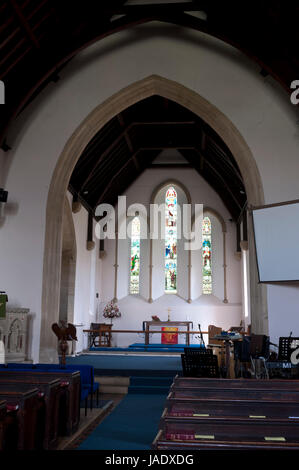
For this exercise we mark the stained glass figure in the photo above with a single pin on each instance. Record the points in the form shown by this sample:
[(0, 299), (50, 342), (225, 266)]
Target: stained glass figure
[(171, 241), (135, 256), (206, 256)]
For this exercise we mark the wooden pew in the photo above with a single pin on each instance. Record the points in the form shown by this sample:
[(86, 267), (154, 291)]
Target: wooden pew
[(187, 406), (69, 410), (161, 442), (29, 407), (52, 393), (235, 394), (237, 428), (233, 414), (2, 422), (280, 387), (196, 382)]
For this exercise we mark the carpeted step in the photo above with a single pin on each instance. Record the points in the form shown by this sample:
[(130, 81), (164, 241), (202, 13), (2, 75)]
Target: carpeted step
[(136, 372), (129, 366), (139, 349), (151, 381), (148, 390), (112, 380)]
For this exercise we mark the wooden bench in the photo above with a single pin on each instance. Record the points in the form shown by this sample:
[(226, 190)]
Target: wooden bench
[(226, 414), (237, 428), (52, 394), (188, 382), (28, 405), (2, 422), (235, 394), (224, 407), (69, 409), (161, 442)]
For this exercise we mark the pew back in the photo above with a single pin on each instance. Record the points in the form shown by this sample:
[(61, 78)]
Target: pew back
[(224, 407), (72, 385), (2, 422), (29, 410), (52, 393), (235, 394), (189, 382)]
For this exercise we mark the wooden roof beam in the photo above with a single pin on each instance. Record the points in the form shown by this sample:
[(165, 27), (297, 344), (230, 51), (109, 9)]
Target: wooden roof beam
[(122, 135), (219, 176), (24, 23), (128, 141)]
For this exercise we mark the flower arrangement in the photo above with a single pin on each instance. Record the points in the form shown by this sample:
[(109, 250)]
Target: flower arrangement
[(111, 310)]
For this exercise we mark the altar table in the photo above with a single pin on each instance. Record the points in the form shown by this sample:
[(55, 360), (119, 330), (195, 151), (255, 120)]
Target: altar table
[(148, 324)]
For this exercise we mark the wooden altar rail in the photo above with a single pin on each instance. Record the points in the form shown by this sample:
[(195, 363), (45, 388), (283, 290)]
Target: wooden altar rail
[(150, 331), (107, 329), (146, 333), (157, 331)]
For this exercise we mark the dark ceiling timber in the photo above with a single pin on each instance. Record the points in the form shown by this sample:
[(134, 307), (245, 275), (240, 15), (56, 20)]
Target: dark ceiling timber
[(155, 133), (38, 37)]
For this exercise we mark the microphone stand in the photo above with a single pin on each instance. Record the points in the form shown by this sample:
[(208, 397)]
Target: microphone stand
[(201, 337)]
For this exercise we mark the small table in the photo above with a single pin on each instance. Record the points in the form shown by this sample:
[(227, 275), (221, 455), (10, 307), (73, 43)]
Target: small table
[(101, 331), (227, 339), (147, 324)]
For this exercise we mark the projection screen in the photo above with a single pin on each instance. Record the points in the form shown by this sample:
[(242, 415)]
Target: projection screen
[(276, 230)]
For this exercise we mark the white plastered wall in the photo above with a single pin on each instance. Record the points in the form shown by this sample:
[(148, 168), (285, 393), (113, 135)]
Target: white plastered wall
[(204, 309)]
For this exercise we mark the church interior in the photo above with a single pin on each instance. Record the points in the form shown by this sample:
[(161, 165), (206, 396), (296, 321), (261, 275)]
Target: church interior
[(149, 225)]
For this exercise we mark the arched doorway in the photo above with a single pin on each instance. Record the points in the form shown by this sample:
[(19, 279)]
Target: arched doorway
[(153, 85)]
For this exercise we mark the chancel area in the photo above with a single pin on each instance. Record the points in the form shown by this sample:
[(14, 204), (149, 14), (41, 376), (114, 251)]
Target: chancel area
[(148, 226)]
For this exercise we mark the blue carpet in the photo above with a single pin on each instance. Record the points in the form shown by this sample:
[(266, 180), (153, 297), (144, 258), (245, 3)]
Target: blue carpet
[(150, 385), (154, 347), (130, 365), (132, 425)]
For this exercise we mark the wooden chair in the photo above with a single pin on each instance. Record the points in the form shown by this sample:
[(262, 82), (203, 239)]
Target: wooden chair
[(213, 331), (259, 353), (105, 335), (217, 345), (93, 336), (101, 335)]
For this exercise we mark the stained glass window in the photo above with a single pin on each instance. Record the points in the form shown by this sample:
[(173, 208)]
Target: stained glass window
[(135, 256), (171, 241), (206, 256)]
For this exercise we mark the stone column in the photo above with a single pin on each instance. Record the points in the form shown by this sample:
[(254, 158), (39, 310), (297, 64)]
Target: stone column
[(150, 295), (224, 267), (51, 285), (115, 267), (258, 292), (189, 276)]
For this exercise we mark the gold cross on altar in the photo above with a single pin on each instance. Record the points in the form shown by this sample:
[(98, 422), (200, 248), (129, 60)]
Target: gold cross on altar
[(169, 310)]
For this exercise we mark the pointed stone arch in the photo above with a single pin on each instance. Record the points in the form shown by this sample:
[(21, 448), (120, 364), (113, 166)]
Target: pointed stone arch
[(152, 85)]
